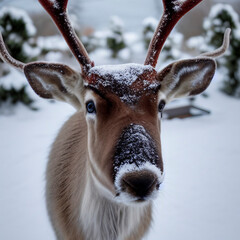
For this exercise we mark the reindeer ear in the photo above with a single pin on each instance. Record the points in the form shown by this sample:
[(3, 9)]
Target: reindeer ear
[(54, 81), (186, 78)]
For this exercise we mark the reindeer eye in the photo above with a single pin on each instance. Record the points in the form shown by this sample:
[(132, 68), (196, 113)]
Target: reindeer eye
[(90, 106), (161, 105)]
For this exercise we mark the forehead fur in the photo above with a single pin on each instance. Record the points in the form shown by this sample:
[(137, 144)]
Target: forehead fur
[(128, 81)]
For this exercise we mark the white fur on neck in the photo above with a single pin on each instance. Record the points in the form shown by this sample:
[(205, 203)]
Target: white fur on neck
[(105, 219)]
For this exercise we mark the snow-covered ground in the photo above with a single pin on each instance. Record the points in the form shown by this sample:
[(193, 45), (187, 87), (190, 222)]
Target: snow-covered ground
[(200, 196)]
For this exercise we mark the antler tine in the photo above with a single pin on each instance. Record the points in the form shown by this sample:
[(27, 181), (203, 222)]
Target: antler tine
[(6, 57), (174, 10), (57, 9), (222, 49)]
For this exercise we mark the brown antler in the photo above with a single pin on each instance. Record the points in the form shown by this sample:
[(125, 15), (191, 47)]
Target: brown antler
[(6, 57), (173, 11), (57, 9)]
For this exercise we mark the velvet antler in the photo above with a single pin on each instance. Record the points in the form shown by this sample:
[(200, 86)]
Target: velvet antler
[(57, 9), (6, 57), (173, 11)]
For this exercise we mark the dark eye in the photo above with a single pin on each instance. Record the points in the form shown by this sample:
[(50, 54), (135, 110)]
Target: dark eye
[(90, 106), (161, 105)]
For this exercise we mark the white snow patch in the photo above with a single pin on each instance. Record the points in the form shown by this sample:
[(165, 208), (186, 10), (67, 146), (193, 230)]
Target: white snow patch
[(116, 24), (31, 51), (218, 8), (119, 78), (150, 22), (212, 20), (178, 5), (13, 80), (56, 43), (127, 74), (19, 14), (129, 168)]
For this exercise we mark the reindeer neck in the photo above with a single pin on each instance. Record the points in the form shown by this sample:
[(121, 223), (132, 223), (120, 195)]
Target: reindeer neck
[(104, 219)]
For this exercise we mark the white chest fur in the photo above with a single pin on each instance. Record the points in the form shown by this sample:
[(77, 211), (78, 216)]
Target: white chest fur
[(104, 219)]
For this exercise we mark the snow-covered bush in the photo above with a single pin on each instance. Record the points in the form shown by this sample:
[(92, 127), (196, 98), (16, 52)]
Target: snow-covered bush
[(149, 26), (17, 30), (115, 39), (91, 42), (55, 43), (172, 49), (222, 16), (13, 96)]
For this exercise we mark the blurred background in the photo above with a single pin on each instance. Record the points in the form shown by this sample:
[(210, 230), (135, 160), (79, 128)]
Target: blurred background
[(201, 148)]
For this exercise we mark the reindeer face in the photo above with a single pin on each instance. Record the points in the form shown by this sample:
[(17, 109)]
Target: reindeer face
[(124, 129)]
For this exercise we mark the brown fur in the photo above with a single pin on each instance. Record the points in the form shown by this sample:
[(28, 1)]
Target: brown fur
[(66, 178), (65, 175)]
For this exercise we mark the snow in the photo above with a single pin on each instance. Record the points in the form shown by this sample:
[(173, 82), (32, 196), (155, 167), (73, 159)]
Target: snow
[(13, 80), (19, 14), (56, 43), (216, 10), (173, 47), (116, 24), (135, 147), (197, 42), (199, 198), (121, 78), (30, 51), (128, 168), (150, 22), (124, 54), (178, 5), (127, 74)]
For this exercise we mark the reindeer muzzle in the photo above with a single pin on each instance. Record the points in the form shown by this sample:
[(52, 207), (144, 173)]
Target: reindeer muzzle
[(137, 176)]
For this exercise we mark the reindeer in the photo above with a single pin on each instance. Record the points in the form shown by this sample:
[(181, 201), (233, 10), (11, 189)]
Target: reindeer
[(105, 167)]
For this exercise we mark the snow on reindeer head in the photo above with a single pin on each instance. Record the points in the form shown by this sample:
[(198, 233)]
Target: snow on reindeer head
[(122, 103)]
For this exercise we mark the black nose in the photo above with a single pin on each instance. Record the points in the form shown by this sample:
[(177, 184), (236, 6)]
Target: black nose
[(140, 184)]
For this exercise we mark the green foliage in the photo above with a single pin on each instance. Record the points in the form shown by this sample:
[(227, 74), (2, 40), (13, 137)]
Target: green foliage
[(14, 96), (17, 30), (149, 26), (222, 16), (172, 47), (115, 43), (91, 43), (115, 40), (18, 27)]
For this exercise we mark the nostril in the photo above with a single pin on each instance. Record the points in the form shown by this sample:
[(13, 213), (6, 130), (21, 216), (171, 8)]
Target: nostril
[(140, 184)]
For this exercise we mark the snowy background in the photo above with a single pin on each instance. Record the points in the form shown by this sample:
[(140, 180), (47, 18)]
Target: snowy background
[(201, 193)]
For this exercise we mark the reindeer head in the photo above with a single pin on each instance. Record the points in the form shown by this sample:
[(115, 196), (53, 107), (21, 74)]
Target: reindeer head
[(123, 103)]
